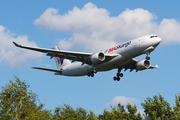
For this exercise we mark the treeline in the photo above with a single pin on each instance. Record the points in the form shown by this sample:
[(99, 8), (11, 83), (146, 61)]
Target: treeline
[(17, 103)]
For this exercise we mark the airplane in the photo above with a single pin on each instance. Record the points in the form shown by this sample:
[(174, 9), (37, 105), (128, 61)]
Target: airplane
[(118, 57)]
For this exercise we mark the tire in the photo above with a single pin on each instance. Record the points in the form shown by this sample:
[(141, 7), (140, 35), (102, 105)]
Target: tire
[(88, 74), (121, 75), (92, 75), (147, 58), (117, 74)]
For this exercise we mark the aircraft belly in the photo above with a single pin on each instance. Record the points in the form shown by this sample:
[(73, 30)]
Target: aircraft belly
[(76, 69), (114, 63)]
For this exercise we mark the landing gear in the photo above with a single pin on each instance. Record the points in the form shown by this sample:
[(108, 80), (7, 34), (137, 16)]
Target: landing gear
[(116, 78), (147, 57), (118, 75), (91, 73)]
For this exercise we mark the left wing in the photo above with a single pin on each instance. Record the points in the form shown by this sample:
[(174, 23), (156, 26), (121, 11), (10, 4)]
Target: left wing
[(74, 56)]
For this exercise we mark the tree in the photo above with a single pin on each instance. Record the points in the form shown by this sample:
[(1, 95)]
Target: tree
[(132, 110), (16, 102), (119, 113), (92, 116), (157, 108), (176, 108), (66, 112)]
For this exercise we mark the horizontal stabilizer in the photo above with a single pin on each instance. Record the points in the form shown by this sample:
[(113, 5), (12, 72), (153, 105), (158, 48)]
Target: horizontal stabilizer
[(47, 69)]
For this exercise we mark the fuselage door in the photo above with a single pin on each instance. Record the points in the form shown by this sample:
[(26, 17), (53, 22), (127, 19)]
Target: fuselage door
[(141, 41)]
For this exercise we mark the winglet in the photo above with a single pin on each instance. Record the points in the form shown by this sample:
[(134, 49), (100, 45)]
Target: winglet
[(17, 45), (156, 66)]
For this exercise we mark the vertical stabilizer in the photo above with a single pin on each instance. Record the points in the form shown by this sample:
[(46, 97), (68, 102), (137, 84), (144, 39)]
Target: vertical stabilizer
[(60, 63)]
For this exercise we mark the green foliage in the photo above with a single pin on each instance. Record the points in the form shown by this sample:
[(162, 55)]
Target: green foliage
[(176, 108), (66, 112), (119, 113), (92, 116), (157, 108), (17, 103)]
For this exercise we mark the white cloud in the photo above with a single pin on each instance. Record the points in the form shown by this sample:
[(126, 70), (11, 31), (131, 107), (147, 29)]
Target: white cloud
[(123, 100), (169, 29), (93, 29), (12, 55)]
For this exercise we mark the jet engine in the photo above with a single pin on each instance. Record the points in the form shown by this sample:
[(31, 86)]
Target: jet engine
[(142, 65), (97, 57)]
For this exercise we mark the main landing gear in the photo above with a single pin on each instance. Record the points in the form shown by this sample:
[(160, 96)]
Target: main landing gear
[(91, 73), (118, 75)]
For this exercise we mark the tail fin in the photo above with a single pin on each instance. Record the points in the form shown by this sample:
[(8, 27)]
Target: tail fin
[(60, 63)]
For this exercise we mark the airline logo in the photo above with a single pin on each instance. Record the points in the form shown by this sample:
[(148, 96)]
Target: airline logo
[(60, 60), (117, 47)]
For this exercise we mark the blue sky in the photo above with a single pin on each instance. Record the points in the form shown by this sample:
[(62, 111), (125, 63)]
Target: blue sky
[(90, 26)]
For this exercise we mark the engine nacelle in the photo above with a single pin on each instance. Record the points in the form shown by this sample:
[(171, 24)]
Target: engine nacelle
[(142, 65), (97, 57)]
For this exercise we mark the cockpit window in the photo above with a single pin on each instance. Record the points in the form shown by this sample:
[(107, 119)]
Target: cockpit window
[(153, 36)]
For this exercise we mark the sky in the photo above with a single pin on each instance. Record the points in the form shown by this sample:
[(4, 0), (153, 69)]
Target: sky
[(90, 26)]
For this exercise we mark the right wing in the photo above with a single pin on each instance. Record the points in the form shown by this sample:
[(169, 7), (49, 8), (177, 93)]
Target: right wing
[(74, 56), (131, 64)]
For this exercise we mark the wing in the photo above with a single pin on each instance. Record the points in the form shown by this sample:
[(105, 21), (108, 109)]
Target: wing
[(74, 56), (131, 64)]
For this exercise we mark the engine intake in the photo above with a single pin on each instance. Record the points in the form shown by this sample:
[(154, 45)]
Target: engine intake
[(142, 65), (97, 57)]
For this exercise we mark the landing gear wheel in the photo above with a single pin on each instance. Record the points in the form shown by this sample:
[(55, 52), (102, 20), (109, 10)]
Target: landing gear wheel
[(117, 74), (121, 75), (147, 58), (118, 78), (89, 74), (92, 75)]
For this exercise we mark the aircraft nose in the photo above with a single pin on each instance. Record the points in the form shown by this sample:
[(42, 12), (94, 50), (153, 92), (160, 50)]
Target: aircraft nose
[(158, 40)]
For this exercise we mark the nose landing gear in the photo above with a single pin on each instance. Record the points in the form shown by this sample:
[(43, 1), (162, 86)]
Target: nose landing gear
[(147, 57), (118, 75)]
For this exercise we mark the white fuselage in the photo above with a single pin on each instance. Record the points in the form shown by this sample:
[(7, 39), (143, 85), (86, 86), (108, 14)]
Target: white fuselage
[(126, 52)]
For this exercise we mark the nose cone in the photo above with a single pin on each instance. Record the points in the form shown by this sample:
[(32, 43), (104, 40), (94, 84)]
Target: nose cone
[(157, 41)]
